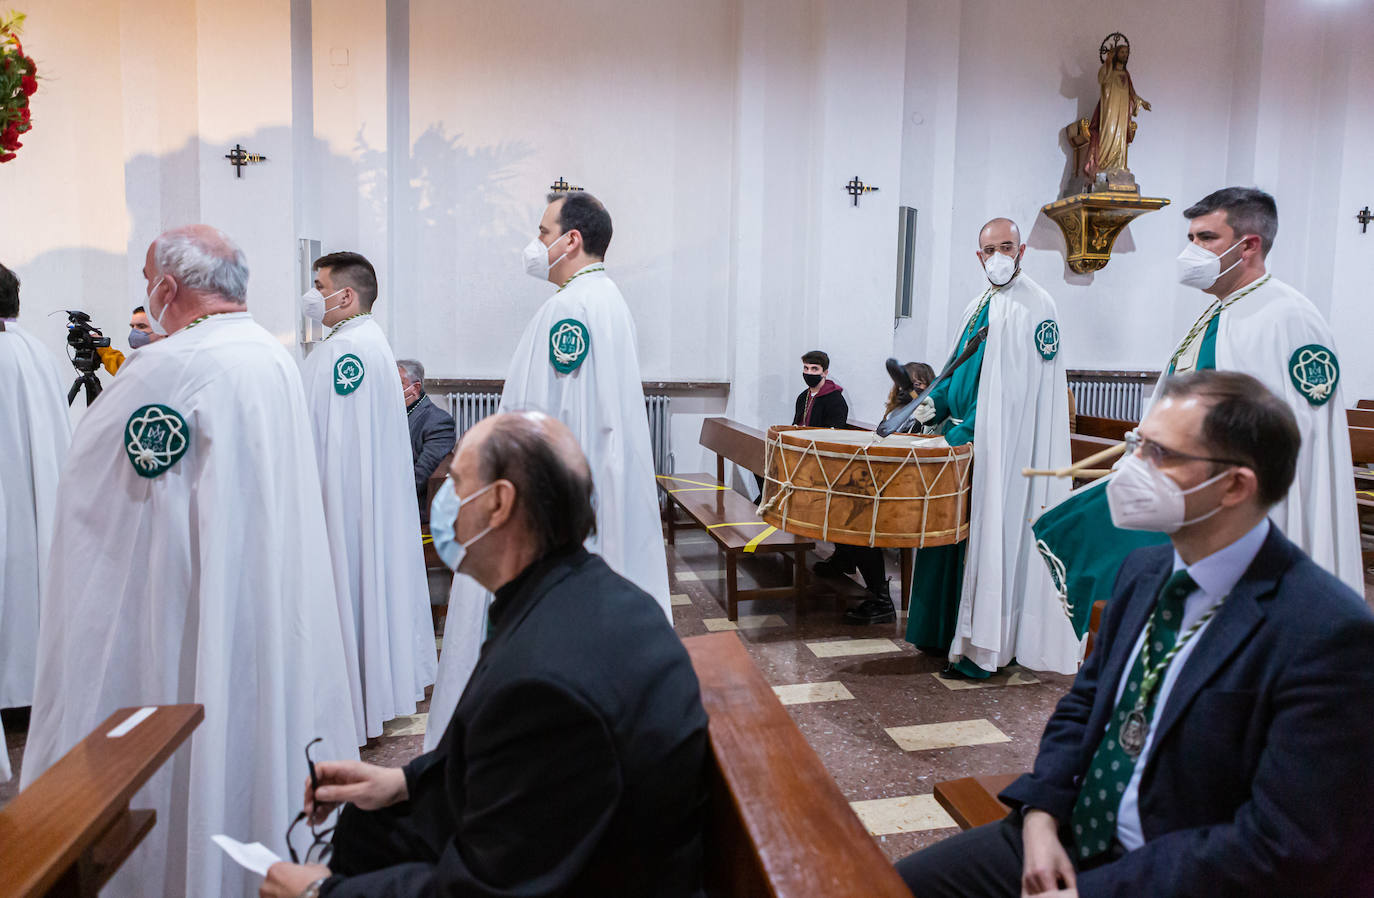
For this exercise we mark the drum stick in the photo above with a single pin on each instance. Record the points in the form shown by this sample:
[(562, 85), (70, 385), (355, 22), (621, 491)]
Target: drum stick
[(1082, 468), (900, 416)]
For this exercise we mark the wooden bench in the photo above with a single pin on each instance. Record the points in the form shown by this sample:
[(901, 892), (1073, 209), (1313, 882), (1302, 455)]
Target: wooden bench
[(777, 823), (729, 518), (68, 832), (436, 479), (972, 800)]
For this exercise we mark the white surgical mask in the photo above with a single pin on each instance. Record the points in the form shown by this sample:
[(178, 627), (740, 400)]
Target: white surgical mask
[(1199, 267), (443, 523), (1142, 497), (155, 321), (537, 264), (1000, 269), (313, 304)]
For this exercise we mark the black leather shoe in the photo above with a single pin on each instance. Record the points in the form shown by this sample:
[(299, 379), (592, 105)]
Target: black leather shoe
[(829, 567), (871, 611)]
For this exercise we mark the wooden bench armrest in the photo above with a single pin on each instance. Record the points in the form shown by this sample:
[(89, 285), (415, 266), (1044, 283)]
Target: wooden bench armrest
[(780, 826), (76, 815), (972, 800)]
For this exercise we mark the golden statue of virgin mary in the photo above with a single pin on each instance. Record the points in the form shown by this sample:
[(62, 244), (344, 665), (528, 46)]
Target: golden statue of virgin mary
[(1112, 126)]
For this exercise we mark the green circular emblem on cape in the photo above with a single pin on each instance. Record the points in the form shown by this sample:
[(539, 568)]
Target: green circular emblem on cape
[(1315, 372), (1047, 339), (569, 343), (155, 438), (348, 374)]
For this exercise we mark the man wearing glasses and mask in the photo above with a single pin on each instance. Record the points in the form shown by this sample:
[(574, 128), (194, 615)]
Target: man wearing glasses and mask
[(574, 762), (1216, 740)]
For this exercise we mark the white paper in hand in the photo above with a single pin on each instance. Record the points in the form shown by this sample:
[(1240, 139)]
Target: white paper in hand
[(255, 857)]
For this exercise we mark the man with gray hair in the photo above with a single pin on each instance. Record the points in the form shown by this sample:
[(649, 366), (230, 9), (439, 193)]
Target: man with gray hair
[(432, 431), (185, 567)]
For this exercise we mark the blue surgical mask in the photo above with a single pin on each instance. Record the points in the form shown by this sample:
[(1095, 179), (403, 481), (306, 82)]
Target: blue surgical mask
[(443, 523), (139, 339)]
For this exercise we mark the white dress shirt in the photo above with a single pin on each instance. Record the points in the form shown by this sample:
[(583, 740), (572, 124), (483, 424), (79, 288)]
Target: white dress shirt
[(1216, 575)]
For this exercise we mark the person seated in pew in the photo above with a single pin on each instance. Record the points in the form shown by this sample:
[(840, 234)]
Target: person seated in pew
[(921, 375), (432, 431), (575, 761), (1216, 740)]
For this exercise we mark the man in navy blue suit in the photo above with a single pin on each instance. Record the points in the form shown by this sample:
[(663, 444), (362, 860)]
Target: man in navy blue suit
[(1217, 740)]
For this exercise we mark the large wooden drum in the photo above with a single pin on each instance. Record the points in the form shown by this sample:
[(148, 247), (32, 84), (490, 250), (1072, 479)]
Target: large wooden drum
[(853, 487)]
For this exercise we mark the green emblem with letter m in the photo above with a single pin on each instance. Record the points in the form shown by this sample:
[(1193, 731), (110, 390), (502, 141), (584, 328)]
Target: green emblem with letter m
[(1047, 339), (1315, 372), (155, 438), (569, 343), (348, 374)]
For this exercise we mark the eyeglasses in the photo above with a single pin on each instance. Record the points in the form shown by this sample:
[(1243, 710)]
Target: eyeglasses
[(1162, 456), (320, 847)]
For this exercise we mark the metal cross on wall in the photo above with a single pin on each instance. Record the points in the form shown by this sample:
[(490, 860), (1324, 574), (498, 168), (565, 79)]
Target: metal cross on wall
[(562, 186), (1364, 218), (856, 188), (239, 157)]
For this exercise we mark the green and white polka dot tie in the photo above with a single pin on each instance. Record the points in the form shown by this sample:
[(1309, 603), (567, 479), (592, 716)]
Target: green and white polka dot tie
[(1099, 795)]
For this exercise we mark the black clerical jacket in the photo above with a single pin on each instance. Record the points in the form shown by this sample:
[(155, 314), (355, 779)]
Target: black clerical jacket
[(574, 764)]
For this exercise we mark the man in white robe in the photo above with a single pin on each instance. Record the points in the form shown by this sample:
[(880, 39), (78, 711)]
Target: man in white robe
[(1263, 327), (362, 443), (187, 567), (576, 361), (34, 434), (993, 600)]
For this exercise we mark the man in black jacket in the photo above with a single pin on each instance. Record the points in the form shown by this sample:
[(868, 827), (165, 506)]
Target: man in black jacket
[(1216, 741), (432, 431), (574, 762)]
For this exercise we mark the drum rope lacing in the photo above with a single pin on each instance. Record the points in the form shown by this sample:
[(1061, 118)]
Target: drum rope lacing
[(786, 487)]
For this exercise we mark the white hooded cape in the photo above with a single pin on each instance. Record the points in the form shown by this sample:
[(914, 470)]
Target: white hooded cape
[(362, 444), (1259, 335), (602, 402), (199, 584), (34, 434), (1009, 606)]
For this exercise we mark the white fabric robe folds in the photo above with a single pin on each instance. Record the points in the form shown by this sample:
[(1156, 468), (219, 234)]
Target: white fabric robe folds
[(362, 443), (1258, 336), (602, 402), (1009, 606), (34, 434), (200, 584)]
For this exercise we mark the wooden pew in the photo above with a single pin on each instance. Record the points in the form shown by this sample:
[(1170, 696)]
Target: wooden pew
[(1113, 429), (972, 800), (436, 479), (1365, 403), (729, 518), (69, 831), (778, 825), (1360, 417)]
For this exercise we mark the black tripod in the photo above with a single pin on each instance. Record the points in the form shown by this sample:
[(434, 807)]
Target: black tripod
[(86, 362)]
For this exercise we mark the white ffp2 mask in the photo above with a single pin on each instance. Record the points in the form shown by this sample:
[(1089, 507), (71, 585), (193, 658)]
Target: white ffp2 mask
[(313, 303), (1000, 269), (1199, 267), (1142, 497), (537, 264)]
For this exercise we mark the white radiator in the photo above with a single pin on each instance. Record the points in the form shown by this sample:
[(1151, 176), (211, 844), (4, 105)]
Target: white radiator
[(1112, 394), (469, 408)]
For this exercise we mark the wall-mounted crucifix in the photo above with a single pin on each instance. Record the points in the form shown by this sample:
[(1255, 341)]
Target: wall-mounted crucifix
[(562, 186), (239, 157), (1364, 218), (857, 188)]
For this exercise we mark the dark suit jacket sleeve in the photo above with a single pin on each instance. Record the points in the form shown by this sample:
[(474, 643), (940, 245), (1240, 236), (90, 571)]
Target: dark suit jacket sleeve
[(440, 433), (541, 783), (1052, 785), (1310, 796)]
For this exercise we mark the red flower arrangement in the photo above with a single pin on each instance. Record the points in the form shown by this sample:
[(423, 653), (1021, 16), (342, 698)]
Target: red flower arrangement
[(18, 81)]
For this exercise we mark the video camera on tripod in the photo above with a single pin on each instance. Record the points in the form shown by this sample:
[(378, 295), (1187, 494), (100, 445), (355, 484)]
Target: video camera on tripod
[(85, 340)]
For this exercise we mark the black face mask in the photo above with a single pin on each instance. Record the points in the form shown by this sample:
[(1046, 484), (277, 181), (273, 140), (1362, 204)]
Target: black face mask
[(812, 379)]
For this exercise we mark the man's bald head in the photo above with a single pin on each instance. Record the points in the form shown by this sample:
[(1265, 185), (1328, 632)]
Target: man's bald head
[(997, 232), (201, 260), (540, 457)]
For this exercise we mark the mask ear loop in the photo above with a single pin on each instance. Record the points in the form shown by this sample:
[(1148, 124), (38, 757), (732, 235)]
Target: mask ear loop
[(1235, 263), (1203, 485)]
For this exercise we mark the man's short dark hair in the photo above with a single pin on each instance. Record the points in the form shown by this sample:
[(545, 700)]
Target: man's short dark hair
[(554, 496), (9, 293), (584, 213), (1249, 210), (816, 357), (1247, 423), (351, 270), (139, 310)]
